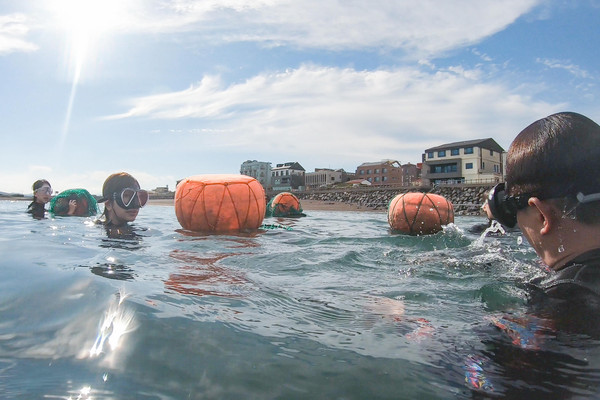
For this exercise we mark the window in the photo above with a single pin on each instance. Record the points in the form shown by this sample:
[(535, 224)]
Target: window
[(368, 172), (376, 170), (454, 152), (370, 179), (430, 154), (468, 150), (376, 179), (469, 165), (443, 168), (362, 172), (384, 170), (491, 152), (442, 153), (384, 178), (482, 165), (496, 168)]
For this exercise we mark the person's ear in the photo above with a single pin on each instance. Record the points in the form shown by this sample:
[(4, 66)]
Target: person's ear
[(546, 214)]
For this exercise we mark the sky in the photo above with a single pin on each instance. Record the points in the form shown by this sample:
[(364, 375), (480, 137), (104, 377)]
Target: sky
[(166, 89)]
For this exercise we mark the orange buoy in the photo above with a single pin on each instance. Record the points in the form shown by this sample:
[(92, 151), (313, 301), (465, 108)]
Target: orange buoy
[(419, 213), (220, 203), (284, 204)]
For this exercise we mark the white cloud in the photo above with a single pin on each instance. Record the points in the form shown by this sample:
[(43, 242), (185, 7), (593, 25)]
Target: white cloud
[(13, 29), (422, 28), (568, 66), (314, 112)]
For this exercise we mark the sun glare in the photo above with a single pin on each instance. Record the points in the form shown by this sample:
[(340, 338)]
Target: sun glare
[(85, 23)]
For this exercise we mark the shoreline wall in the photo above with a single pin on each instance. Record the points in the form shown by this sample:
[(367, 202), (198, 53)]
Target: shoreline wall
[(467, 200)]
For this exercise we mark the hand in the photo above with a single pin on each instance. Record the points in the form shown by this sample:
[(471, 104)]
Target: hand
[(72, 207)]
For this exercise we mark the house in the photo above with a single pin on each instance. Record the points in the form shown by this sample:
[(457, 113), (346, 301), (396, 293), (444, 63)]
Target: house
[(287, 177), (471, 161), (323, 177), (261, 170), (385, 172)]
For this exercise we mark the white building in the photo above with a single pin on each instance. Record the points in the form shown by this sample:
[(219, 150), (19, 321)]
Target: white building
[(288, 176), (472, 161), (323, 177), (260, 170)]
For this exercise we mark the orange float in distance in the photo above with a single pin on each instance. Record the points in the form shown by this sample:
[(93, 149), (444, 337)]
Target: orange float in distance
[(220, 203), (419, 213), (284, 204)]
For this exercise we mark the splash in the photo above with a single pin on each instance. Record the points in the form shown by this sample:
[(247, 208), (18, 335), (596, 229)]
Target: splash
[(495, 227)]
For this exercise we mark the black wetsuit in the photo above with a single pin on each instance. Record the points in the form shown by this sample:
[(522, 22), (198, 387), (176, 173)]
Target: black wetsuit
[(553, 350), (37, 210), (571, 296)]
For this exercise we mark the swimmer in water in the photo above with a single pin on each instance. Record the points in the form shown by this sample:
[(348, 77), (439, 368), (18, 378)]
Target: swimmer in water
[(123, 199), (42, 193)]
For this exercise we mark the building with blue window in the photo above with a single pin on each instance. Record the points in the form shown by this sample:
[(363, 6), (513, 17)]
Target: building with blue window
[(471, 161)]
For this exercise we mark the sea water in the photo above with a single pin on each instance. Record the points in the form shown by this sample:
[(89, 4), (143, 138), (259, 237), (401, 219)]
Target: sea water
[(330, 306)]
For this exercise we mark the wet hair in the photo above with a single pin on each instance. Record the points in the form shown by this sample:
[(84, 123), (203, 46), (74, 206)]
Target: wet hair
[(117, 182), (39, 183), (555, 158)]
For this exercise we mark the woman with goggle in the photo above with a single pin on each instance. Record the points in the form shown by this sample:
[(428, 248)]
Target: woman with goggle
[(123, 199), (42, 193)]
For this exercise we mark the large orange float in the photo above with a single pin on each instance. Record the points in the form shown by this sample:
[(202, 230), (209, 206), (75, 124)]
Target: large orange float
[(220, 203), (284, 204), (419, 213)]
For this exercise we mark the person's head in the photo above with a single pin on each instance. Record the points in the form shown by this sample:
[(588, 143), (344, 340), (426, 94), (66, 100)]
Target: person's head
[(123, 198), (552, 181), (42, 191)]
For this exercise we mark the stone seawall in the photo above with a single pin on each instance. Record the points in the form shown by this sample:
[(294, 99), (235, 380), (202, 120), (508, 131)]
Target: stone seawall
[(467, 200)]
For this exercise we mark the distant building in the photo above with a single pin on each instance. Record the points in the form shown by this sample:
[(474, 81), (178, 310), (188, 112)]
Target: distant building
[(411, 174), (323, 177), (471, 161), (161, 189), (385, 172), (260, 170), (287, 177)]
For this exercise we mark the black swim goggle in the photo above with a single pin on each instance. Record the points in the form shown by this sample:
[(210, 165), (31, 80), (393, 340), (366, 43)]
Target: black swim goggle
[(130, 198), (504, 208)]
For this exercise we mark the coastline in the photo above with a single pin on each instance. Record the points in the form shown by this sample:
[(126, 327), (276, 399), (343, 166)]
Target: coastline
[(307, 205)]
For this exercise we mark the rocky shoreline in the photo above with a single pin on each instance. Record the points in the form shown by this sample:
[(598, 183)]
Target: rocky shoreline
[(467, 200)]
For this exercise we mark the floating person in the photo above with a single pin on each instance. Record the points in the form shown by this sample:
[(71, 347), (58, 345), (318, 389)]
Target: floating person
[(123, 199), (284, 204), (552, 192), (42, 193), (417, 213), (74, 202)]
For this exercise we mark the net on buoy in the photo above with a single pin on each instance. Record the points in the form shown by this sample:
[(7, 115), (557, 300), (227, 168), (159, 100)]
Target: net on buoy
[(220, 203), (284, 204), (86, 204), (417, 213)]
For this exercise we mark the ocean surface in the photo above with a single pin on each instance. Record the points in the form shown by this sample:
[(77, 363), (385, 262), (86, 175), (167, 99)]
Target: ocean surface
[(330, 306)]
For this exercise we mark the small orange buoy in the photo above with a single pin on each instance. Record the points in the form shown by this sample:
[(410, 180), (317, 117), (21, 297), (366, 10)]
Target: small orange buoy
[(220, 203), (284, 204), (419, 213)]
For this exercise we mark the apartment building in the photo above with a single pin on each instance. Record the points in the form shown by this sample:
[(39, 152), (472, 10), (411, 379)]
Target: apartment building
[(471, 161), (287, 177), (260, 170)]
